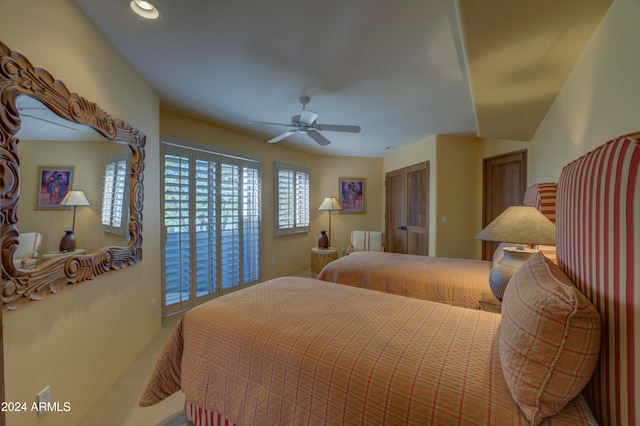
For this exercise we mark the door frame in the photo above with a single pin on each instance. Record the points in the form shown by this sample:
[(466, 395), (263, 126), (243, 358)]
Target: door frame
[(489, 247)]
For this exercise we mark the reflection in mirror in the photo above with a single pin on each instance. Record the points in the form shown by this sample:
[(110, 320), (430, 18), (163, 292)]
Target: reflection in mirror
[(87, 153), (53, 141)]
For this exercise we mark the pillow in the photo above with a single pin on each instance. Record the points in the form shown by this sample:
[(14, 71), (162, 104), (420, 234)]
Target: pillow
[(549, 339)]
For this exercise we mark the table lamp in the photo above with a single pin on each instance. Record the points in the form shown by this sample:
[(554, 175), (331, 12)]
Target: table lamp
[(330, 204), (73, 199), (519, 225)]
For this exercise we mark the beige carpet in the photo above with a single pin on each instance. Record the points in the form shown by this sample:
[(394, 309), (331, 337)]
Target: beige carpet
[(120, 405)]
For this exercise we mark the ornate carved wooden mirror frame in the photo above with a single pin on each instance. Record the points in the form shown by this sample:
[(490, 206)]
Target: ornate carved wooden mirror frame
[(19, 78)]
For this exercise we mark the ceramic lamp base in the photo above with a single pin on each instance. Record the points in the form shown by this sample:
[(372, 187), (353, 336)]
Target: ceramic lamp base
[(501, 274), (68, 242)]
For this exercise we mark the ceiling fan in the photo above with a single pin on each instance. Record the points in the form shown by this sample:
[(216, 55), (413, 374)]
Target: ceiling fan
[(306, 123)]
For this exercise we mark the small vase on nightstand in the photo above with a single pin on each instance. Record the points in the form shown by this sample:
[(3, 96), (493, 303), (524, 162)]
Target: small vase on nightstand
[(323, 240), (68, 242)]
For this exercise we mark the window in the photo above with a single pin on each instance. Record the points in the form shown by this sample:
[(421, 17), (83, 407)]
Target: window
[(292, 199), (212, 228), (115, 195)]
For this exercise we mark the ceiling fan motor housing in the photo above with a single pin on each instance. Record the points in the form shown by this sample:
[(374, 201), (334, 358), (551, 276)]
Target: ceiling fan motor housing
[(305, 122)]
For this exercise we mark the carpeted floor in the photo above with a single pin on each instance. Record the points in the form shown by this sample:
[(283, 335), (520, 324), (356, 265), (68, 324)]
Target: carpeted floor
[(120, 405)]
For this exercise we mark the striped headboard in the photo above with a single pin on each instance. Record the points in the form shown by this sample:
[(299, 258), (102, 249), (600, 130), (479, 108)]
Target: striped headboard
[(598, 247), (543, 197)]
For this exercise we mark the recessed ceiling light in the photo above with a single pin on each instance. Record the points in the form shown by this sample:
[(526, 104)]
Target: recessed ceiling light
[(145, 8)]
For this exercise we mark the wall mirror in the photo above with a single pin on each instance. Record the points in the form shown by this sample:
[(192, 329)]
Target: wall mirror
[(45, 129)]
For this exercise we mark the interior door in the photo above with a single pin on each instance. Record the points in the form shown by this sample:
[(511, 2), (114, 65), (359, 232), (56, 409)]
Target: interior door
[(407, 210), (417, 201), (505, 181), (396, 237)]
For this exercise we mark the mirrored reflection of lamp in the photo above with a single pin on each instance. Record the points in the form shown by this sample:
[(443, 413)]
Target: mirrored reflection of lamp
[(73, 199), (330, 204), (519, 225)]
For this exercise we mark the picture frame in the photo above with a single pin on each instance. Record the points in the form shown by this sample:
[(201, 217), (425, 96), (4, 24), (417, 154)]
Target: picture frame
[(53, 184), (353, 195)]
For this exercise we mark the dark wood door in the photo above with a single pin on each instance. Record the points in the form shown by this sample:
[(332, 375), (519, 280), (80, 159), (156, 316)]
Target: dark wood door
[(505, 181), (407, 210), (396, 238)]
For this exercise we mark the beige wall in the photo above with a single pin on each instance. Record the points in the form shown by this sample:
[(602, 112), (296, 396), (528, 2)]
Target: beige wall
[(286, 251), (456, 196), (87, 159), (599, 100), (292, 252), (80, 341), (456, 188), (415, 154), (325, 174)]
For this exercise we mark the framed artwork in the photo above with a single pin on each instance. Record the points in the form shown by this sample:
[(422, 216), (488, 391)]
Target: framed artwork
[(353, 195), (53, 184)]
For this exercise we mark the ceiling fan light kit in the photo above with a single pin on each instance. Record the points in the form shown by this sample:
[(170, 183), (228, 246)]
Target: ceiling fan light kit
[(305, 122)]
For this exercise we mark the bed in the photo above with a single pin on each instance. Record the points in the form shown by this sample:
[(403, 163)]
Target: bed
[(303, 351), (458, 282)]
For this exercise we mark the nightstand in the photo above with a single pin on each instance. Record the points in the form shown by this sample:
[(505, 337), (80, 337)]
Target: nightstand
[(321, 258), (55, 254), (489, 303)]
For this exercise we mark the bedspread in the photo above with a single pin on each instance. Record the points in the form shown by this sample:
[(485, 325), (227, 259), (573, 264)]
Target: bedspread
[(458, 282), (298, 351)]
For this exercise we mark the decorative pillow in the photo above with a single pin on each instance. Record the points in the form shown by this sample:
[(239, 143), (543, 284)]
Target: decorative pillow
[(549, 339)]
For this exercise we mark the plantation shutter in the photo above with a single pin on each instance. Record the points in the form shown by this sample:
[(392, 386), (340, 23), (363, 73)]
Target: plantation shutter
[(115, 195), (219, 211), (292, 195)]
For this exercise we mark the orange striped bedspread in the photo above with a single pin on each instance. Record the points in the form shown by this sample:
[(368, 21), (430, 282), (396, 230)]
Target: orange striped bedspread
[(299, 351), (458, 282)]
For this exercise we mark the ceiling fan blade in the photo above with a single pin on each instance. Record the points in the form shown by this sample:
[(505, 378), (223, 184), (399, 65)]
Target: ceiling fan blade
[(49, 121), (321, 140), (271, 124), (339, 128), (282, 136), (308, 117)]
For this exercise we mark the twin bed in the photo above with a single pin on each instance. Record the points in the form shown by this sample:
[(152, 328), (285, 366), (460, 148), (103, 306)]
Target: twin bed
[(302, 351), (458, 282)]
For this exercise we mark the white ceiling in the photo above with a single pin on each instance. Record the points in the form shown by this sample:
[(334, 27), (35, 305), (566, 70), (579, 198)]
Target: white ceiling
[(403, 71)]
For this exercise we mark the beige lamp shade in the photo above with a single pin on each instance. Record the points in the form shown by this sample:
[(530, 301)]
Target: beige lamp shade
[(519, 225), (330, 203), (75, 198)]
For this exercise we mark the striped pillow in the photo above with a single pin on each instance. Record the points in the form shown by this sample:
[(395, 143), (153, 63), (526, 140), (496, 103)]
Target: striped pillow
[(549, 339)]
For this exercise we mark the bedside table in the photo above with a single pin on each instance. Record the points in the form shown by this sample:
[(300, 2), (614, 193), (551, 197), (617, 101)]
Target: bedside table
[(489, 303), (55, 254), (321, 258)]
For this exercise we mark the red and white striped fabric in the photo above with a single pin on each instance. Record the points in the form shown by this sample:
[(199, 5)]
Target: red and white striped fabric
[(598, 229), (202, 417), (543, 197)]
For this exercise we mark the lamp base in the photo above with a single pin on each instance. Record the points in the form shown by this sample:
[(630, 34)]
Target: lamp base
[(68, 242), (502, 273), (323, 240)]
